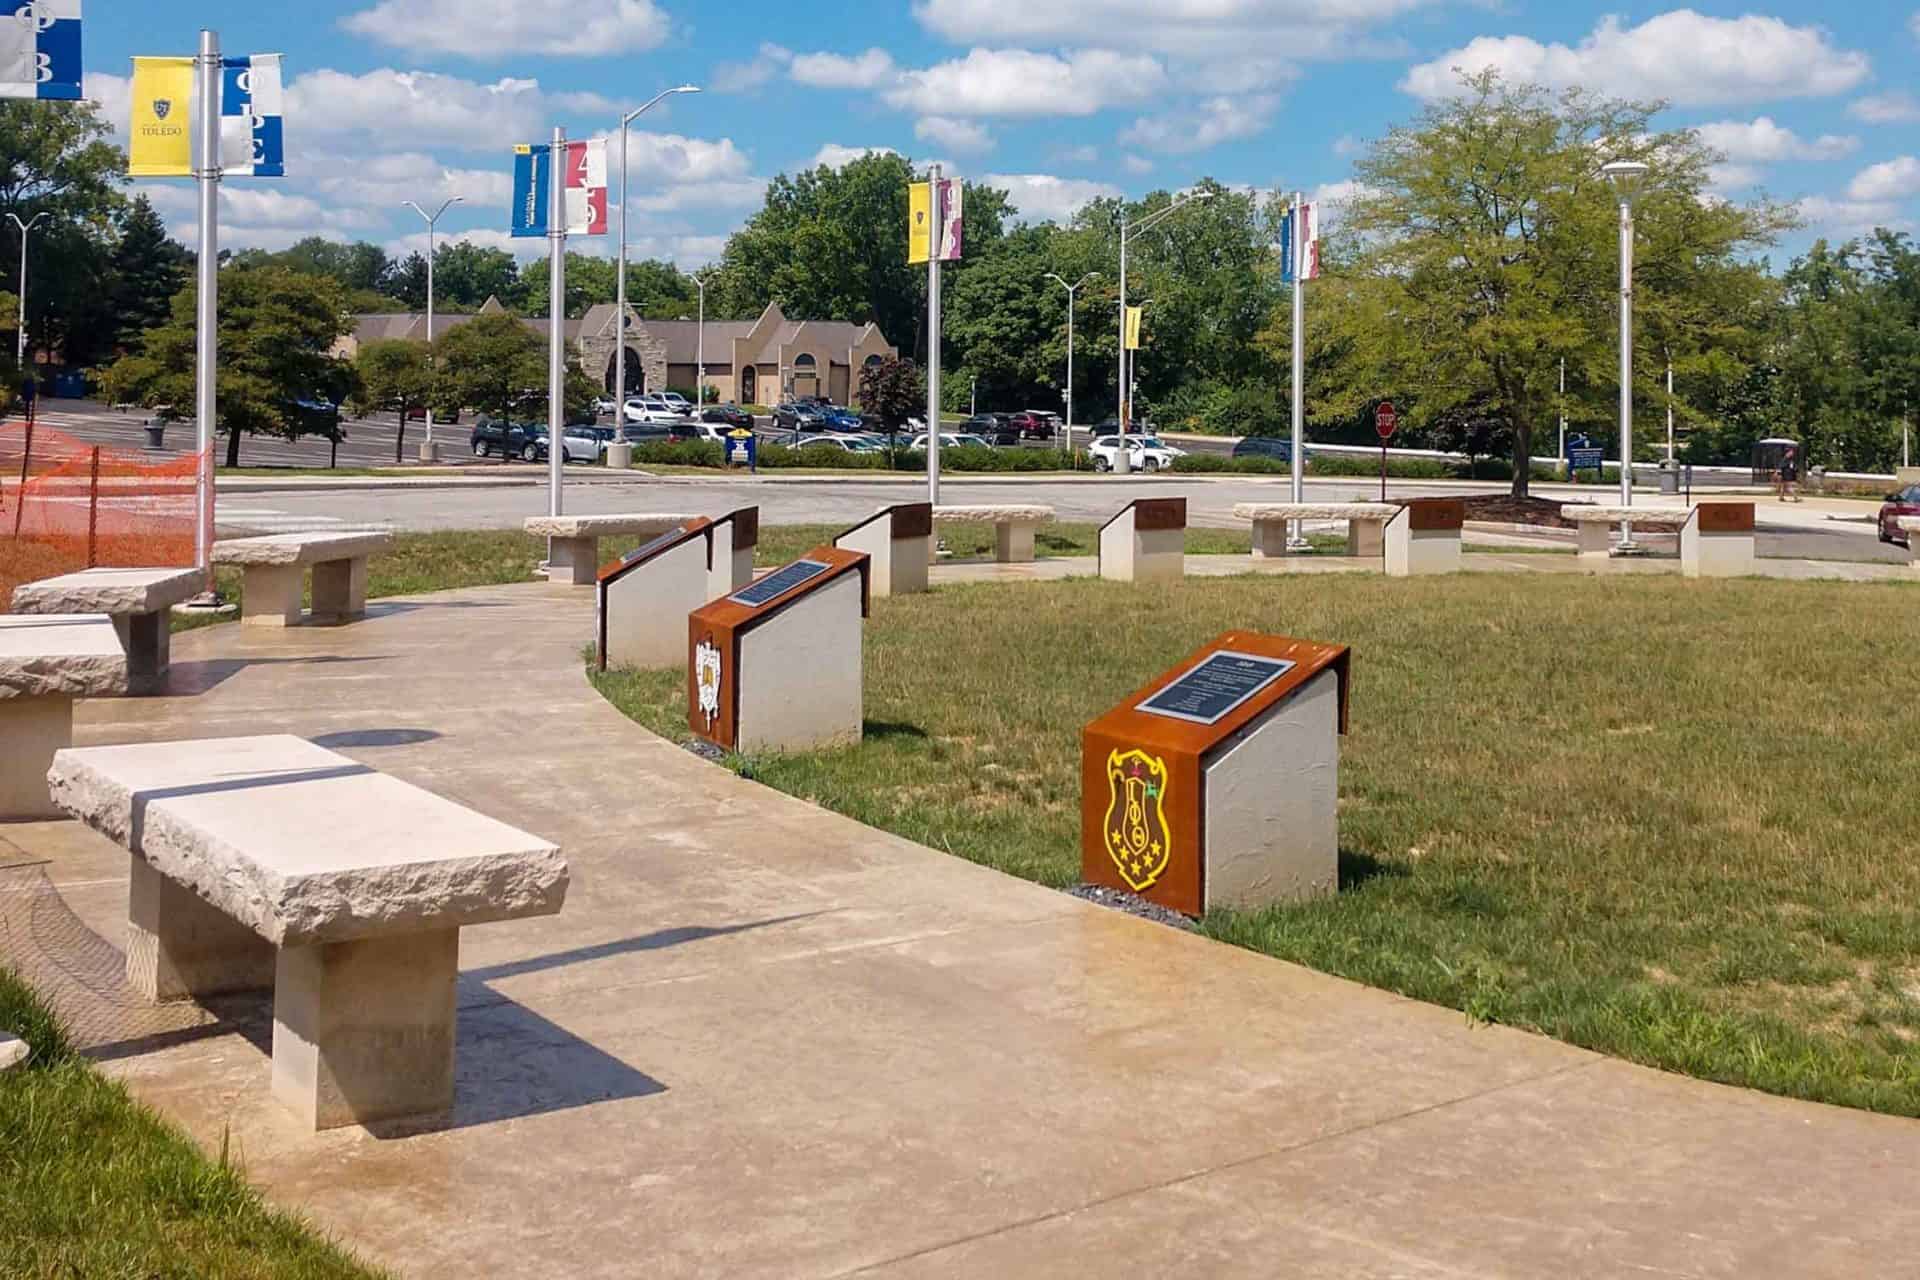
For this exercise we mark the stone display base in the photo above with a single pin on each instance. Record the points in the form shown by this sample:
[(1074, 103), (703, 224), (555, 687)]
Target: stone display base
[(364, 1031), (785, 708), (33, 729), (1425, 538), (1272, 828), (899, 543), (1146, 542)]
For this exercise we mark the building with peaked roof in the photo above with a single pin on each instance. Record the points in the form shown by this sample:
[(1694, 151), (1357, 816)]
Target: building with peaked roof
[(747, 361)]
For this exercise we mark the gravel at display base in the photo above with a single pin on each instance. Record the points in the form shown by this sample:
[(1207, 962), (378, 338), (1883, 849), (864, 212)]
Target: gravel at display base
[(1132, 904)]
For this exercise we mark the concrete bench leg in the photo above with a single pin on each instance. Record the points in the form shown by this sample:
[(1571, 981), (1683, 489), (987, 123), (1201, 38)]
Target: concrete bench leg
[(1715, 555), (573, 561), (149, 647), (1269, 539), (32, 729), (1013, 542), (1366, 538), (907, 570), (179, 946), (340, 590), (364, 1031), (270, 595), (1594, 539)]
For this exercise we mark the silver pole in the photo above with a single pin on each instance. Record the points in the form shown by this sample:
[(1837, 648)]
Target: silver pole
[(207, 320), (431, 387), (1122, 464), (1296, 537), (700, 353), (20, 351), (1669, 406), (1626, 371), (1563, 414), (557, 327), (1069, 433), (620, 296), (936, 216)]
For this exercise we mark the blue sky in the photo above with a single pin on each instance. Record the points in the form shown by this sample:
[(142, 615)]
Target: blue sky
[(1058, 100)]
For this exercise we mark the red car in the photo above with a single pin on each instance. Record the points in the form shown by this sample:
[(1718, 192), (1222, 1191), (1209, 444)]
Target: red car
[(1032, 424), (1904, 503)]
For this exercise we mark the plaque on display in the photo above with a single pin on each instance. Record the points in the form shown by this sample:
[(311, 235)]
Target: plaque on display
[(779, 582), (729, 705), (1153, 768), (1207, 692), (647, 548)]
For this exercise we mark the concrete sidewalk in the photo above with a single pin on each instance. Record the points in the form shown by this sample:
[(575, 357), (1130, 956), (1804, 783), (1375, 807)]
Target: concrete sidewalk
[(763, 1040)]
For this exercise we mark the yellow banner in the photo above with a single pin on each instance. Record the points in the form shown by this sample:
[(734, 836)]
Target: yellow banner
[(1134, 315), (919, 214), (162, 131)]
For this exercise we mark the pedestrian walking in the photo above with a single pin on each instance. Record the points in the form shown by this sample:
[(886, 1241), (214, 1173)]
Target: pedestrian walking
[(1790, 476), (29, 398)]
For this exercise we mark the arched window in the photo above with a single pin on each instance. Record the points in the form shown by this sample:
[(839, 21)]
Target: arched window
[(803, 361), (872, 361)]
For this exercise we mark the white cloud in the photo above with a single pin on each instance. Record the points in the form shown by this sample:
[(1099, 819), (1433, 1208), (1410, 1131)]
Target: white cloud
[(1017, 82), (738, 77), (1850, 217), (955, 135), (424, 107), (115, 96), (1761, 141), (1136, 165), (1207, 124), (1897, 107), (1913, 24), (1188, 29), (1041, 197), (1886, 183), (1682, 56), (499, 28), (868, 70), (1082, 156), (482, 237), (835, 156)]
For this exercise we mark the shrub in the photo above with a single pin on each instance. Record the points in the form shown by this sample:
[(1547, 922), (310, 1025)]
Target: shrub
[(680, 453)]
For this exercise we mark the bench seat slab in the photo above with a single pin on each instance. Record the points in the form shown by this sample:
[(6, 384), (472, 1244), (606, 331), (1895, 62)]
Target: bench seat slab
[(363, 1031)]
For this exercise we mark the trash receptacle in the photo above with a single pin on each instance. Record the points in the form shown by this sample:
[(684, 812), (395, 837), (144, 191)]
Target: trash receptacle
[(1669, 476), (156, 434)]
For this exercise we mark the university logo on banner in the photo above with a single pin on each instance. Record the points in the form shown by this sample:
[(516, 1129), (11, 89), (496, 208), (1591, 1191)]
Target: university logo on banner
[(159, 137), (252, 117), (1134, 316), (585, 196), (40, 49)]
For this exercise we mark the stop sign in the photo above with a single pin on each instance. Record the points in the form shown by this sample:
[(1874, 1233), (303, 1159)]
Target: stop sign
[(1385, 420)]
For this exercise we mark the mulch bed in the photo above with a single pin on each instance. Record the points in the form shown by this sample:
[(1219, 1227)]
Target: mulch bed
[(1503, 508)]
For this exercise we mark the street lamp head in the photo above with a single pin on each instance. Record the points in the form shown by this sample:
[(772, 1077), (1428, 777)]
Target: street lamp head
[(1626, 176)]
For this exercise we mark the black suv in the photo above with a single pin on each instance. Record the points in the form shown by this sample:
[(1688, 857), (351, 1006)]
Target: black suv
[(522, 439), (1265, 447), (996, 429)]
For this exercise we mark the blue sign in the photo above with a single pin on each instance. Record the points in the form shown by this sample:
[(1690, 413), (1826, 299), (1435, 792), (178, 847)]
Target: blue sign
[(1584, 459), (531, 189), (744, 448)]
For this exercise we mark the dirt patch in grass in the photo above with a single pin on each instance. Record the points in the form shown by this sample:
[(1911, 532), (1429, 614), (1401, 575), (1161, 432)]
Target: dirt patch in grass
[(1666, 867), (1504, 508)]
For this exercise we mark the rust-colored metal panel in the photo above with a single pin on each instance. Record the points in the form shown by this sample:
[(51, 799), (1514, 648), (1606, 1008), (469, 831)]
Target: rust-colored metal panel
[(1151, 514), (1429, 515), (1726, 517), (746, 526), (1141, 774), (913, 520), (713, 642)]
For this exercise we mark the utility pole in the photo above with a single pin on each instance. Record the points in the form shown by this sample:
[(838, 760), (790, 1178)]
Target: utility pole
[(20, 351), (620, 284), (556, 328), (699, 352), (1626, 176), (1563, 415), (208, 70), (935, 220)]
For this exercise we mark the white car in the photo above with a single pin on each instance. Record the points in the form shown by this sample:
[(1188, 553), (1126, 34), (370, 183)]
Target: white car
[(654, 409), (675, 401), (603, 406), (1144, 453), (954, 440)]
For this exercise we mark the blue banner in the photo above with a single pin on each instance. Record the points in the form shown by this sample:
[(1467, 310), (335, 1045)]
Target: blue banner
[(40, 49), (531, 190), (252, 119), (1287, 254)]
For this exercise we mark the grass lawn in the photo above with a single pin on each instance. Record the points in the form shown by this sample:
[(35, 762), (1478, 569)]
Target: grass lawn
[(100, 1187), (1661, 819)]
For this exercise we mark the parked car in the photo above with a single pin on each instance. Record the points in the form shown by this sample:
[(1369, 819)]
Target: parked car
[(1144, 453), (1904, 502), (677, 402), (800, 415), (727, 415), (1034, 424), (604, 405), (1268, 447), (649, 432), (491, 436), (838, 440), (995, 429), (441, 417), (652, 409), (952, 440)]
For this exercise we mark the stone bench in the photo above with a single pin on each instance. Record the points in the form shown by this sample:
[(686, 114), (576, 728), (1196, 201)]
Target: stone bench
[(273, 567), (1013, 527), (1146, 542), (1716, 538), (138, 601), (1366, 524), (46, 661), (898, 544), (573, 542), (271, 862)]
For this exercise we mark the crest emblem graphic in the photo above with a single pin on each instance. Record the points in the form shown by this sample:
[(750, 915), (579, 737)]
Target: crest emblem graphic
[(1137, 836), (706, 668), (162, 108)]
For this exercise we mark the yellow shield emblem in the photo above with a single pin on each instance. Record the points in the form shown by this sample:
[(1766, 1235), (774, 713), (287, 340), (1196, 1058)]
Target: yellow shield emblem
[(1137, 836)]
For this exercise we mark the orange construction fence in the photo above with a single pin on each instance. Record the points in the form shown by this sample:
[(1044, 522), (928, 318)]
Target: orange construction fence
[(67, 505)]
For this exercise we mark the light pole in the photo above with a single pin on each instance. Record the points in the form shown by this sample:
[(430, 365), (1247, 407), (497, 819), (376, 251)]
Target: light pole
[(1563, 468), (1071, 289), (1626, 176), (699, 357), (428, 453), (620, 286), (20, 350), (1669, 406), (1121, 464)]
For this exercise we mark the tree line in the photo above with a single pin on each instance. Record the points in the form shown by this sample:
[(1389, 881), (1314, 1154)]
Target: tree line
[(1472, 259)]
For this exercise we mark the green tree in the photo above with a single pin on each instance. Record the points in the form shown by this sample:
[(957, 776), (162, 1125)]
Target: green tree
[(149, 268), (465, 275), (407, 282), (278, 329), (392, 374), (1004, 325), (358, 267), (1478, 252), (496, 364), (55, 158)]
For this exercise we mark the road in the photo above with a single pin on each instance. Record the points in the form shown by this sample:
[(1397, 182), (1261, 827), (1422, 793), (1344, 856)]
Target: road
[(1801, 532)]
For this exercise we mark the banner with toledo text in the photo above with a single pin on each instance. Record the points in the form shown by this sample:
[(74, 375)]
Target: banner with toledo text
[(252, 118), (160, 136), (40, 49)]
